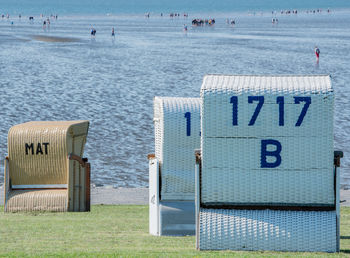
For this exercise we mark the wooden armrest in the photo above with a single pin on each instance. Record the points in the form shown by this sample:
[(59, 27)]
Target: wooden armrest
[(82, 161), (337, 156), (197, 153), (151, 156)]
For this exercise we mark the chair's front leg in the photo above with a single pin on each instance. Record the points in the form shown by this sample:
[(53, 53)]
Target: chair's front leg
[(337, 156), (7, 187), (198, 170), (84, 164), (87, 185), (153, 188)]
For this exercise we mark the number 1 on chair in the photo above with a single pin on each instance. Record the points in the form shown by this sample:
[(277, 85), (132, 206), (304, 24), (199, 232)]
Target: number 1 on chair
[(188, 123), (234, 101), (280, 102)]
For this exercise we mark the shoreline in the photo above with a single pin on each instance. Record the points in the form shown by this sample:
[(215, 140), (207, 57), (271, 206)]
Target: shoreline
[(139, 196)]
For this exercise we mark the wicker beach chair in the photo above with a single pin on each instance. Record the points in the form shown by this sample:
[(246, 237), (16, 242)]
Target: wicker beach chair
[(171, 169), (44, 170), (266, 176)]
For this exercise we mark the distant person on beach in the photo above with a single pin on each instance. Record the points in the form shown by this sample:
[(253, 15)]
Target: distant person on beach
[(93, 32), (317, 53), (185, 28), (113, 34)]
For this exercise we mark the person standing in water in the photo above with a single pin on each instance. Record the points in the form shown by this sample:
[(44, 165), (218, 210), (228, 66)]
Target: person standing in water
[(93, 31), (113, 34), (317, 53)]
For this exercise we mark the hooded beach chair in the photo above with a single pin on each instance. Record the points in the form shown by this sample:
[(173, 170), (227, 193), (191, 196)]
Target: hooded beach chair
[(266, 176), (171, 169), (44, 170)]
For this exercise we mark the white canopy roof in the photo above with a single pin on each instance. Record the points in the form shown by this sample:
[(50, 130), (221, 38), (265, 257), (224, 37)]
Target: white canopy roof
[(305, 84)]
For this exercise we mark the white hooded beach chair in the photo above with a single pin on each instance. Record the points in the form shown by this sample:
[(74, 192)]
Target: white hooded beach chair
[(171, 169), (44, 170), (266, 176)]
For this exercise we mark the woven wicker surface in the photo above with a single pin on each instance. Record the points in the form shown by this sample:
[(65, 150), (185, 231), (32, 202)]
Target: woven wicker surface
[(267, 230), (271, 83), (175, 143), (37, 200), (231, 174), (33, 165), (231, 151)]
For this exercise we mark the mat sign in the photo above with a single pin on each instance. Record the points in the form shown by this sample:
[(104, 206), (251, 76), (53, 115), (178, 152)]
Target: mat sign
[(41, 148)]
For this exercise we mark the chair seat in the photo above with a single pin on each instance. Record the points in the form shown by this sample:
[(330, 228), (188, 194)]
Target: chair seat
[(37, 200), (177, 218)]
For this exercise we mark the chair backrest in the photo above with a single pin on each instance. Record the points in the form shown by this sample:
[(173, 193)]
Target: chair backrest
[(38, 152), (267, 140), (177, 135)]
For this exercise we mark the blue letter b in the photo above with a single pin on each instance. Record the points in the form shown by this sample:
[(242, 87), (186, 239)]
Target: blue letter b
[(275, 153)]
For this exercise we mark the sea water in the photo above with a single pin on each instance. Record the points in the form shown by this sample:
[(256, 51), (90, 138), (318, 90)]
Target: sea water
[(111, 81)]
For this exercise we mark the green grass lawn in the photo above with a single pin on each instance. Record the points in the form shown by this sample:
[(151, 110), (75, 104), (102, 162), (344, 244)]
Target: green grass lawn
[(112, 231)]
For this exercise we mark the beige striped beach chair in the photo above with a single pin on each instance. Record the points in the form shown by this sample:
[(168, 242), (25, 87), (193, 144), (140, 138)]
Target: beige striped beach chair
[(44, 169)]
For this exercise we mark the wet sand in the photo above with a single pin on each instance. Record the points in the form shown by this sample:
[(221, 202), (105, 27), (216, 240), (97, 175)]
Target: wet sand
[(54, 39), (139, 196)]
